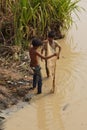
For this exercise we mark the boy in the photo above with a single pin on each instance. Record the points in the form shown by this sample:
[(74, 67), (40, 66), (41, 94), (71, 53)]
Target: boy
[(34, 64), (52, 45)]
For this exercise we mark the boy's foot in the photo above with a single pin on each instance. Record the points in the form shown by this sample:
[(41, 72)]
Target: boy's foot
[(31, 88), (48, 76), (38, 92), (51, 91), (47, 72)]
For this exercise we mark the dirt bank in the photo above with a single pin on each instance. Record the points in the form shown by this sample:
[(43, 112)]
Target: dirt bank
[(15, 78)]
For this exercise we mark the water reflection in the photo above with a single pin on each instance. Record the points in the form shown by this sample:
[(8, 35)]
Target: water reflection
[(78, 33)]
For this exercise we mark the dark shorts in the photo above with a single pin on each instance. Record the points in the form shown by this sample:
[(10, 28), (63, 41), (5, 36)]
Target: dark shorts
[(37, 78)]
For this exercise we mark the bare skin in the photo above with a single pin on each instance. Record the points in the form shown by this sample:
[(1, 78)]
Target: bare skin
[(34, 55), (50, 40), (54, 45)]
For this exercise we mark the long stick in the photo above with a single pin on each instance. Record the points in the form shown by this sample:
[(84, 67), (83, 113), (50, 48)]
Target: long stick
[(54, 77)]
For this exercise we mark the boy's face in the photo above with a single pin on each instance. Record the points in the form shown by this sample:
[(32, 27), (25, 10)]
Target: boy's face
[(50, 39), (38, 48)]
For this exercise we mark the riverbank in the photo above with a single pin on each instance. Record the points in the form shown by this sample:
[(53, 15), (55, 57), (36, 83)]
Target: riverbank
[(15, 81)]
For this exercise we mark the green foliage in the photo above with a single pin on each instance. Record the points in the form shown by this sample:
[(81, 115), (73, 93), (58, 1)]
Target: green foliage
[(37, 17), (64, 9)]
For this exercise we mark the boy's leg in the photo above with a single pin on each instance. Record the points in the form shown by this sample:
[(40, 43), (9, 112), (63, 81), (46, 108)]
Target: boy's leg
[(47, 70), (34, 80), (39, 84), (39, 80)]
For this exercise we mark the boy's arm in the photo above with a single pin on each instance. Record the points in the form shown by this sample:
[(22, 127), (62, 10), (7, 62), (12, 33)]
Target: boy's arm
[(44, 47), (59, 51), (47, 57)]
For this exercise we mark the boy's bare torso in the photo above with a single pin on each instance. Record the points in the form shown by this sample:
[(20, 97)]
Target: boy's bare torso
[(52, 44), (34, 58)]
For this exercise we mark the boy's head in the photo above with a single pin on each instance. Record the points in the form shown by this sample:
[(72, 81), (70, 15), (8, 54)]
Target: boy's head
[(51, 35), (36, 42)]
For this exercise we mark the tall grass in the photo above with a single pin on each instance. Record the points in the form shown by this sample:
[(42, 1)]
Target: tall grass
[(37, 17), (64, 9)]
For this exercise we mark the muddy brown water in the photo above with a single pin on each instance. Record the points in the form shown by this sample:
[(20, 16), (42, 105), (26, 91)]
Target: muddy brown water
[(66, 109)]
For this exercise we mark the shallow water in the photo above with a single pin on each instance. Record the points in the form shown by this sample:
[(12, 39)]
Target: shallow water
[(66, 109)]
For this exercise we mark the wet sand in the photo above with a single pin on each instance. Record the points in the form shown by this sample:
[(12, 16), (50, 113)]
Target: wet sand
[(66, 109)]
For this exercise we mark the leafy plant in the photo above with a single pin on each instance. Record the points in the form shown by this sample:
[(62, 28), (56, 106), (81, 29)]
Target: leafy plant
[(36, 17)]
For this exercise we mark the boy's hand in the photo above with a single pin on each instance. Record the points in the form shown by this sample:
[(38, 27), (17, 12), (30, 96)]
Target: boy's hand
[(57, 56), (41, 59)]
